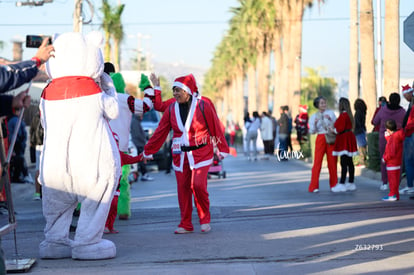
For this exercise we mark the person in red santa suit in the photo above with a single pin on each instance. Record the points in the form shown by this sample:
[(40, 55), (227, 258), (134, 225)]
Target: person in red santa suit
[(196, 130), (345, 146), (393, 158), (301, 122)]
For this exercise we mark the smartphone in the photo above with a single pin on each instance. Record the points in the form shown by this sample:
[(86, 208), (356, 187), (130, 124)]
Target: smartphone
[(34, 41)]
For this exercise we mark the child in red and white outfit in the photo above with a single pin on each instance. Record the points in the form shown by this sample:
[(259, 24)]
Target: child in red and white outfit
[(345, 146), (393, 158)]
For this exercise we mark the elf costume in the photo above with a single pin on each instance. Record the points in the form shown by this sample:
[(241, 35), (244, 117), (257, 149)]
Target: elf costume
[(122, 127)]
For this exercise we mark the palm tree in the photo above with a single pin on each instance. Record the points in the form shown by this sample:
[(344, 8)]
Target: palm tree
[(367, 56), (266, 13), (391, 47), (279, 95), (112, 27), (291, 18), (246, 18), (107, 27), (117, 35)]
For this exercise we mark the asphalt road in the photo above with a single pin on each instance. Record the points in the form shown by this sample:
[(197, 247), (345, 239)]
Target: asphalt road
[(263, 222)]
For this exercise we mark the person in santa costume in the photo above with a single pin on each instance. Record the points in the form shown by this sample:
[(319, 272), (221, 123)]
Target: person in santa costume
[(320, 123), (393, 158), (196, 130), (345, 146), (301, 122)]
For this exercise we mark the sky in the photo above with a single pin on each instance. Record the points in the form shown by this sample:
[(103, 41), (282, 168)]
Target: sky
[(188, 31)]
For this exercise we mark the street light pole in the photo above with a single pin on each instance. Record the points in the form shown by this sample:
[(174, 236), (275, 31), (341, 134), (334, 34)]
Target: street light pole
[(139, 35)]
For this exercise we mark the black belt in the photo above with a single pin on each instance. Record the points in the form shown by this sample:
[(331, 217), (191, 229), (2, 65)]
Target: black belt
[(344, 131), (192, 148)]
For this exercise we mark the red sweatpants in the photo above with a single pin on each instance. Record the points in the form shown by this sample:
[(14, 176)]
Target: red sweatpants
[(394, 182), (113, 211), (322, 148), (189, 183)]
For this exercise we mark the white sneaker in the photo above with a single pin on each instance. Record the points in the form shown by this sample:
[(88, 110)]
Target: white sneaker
[(350, 186), (205, 228), (181, 230), (338, 188), (407, 190), (146, 177), (28, 179), (384, 187)]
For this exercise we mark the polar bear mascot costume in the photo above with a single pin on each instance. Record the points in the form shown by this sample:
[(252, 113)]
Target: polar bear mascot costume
[(80, 161)]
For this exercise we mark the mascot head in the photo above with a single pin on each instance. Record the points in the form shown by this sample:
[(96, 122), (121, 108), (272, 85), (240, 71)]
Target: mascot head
[(76, 55)]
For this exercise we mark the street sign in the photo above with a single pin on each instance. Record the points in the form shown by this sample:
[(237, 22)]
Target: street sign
[(409, 31)]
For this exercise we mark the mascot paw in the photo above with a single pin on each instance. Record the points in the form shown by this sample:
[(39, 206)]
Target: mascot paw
[(105, 249), (48, 250)]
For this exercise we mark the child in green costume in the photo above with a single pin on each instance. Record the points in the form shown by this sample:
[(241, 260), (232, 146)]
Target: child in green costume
[(121, 126)]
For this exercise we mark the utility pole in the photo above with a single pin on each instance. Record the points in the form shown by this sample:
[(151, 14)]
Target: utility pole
[(77, 16), (139, 51)]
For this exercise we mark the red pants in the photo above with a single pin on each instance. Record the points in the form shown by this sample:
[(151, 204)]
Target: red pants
[(189, 183), (113, 211), (322, 148), (394, 182)]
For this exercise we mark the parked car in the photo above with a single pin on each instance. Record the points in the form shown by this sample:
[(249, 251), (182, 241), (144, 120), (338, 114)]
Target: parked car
[(149, 123)]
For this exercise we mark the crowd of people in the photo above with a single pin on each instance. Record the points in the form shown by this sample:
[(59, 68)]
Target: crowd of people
[(198, 133), (344, 138), (275, 133)]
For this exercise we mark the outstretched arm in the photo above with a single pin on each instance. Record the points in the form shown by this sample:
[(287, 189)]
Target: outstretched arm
[(14, 75)]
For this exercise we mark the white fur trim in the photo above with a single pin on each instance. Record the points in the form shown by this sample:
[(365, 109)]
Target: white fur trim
[(392, 168), (344, 152), (146, 156), (408, 91), (223, 154), (182, 86), (148, 102), (203, 163), (138, 107), (149, 91)]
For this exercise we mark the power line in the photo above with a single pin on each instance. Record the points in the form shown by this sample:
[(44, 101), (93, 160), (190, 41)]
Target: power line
[(173, 22)]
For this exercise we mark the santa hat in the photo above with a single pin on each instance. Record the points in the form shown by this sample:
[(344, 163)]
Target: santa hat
[(407, 89), (187, 83), (303, 108)]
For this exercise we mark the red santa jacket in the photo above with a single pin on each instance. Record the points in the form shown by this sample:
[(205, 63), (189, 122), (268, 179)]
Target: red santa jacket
[(409, 128), (393, 150), (201, 132)]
